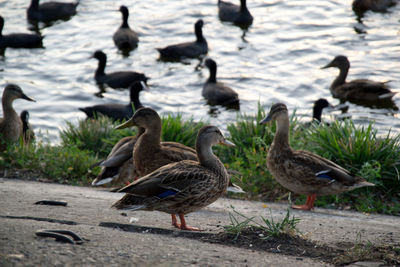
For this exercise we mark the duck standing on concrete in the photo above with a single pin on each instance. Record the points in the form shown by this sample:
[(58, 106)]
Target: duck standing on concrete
[(50, 11), (239, 15), (303, 172), (11, 125), (215, 92), (119, 79), (181, 187), (19, 40), (189, 49), (125, 38)]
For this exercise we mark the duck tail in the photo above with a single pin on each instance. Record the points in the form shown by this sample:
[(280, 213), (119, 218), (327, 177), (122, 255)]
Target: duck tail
[(387, 95), (129, 202), (97, 182), (362, 183)]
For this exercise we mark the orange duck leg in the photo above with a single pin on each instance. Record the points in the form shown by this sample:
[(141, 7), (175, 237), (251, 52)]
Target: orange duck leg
[(309, 203)]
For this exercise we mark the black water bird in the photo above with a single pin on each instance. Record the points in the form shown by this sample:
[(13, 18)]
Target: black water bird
[(216, 92), (19, 40), (119, 79), (239, 15), (125, 38), (118, 111), (361, 6), (28, 134), (50, 11), (358, 91), (187, 50)]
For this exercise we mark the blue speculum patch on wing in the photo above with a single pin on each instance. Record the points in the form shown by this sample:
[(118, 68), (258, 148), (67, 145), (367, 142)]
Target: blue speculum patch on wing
[(167, 193)]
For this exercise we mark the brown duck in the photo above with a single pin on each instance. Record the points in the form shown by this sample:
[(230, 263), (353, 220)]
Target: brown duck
[(181, 187), (11, 125), (303, 172), (357, 90)]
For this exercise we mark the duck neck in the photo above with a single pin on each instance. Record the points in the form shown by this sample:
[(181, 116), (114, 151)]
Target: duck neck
[(317, 113), (101, 66), (281, 138), (152, 137), (34, 4), (243, 6), (135, 99), (8, 110), (199, 34), (125, 16), (341, 78), (213, 74)]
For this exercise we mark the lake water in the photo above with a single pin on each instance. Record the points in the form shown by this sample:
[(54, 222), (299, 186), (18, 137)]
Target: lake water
[(277, 59)]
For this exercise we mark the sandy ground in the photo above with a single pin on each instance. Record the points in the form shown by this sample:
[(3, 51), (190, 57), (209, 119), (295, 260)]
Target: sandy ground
[(88, 211)]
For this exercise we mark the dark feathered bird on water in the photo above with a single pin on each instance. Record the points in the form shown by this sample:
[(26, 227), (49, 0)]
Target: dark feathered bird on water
[(239, 15), (19, 40), (303, 172), (118, 111), (361, 6), (50, 11), (358, 91), (216, 92), (28, 134), (189, 49), (119, 79), (125, 38), (181, 187)]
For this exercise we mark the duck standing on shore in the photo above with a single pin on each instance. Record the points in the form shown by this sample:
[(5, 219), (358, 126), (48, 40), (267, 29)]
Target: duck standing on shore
[(303, 172), (11, 125), (181, 187)]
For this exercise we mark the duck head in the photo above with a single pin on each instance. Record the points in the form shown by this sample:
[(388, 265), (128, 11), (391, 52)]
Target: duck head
[(340, 62), (277, 111), (13, 91), (210, 135), (143, 117)]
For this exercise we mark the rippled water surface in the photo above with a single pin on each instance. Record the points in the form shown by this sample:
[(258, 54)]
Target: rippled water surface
[(277, 59)]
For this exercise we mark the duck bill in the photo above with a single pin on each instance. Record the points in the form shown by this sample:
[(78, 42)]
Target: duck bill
[(234, 188), (265, 120), (329, 65), (144, 84), (24, 96), (127, 124), (227, 143), (339, 107)]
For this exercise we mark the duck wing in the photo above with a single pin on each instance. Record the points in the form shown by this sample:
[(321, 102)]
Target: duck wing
[(366, 86), (321, 170)]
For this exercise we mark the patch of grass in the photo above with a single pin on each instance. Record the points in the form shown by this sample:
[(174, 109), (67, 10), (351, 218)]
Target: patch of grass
[(269, 226)]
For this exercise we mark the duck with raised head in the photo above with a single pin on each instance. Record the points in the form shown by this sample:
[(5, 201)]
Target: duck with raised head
[(149, 154), (28, 135), (125, 38), (19, 40), (216, 92), (11, 126), (361, 6), (362, 90), (187, 50), (119, 79), (118, 111), (303, 172), (50, 11), (318, 107), (181, 187), (237, 14)]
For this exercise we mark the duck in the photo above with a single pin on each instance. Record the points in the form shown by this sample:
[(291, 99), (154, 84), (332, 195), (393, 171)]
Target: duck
[(318, 107), (118, 112), (119, 79), (27, 131), (361, 6), (19, 40), (361, 90), (187, 50), (125, 38), (148, 153), (181, 187), (50, 11), (239, 15), (11, 126), (216, 92), (301, 171)]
